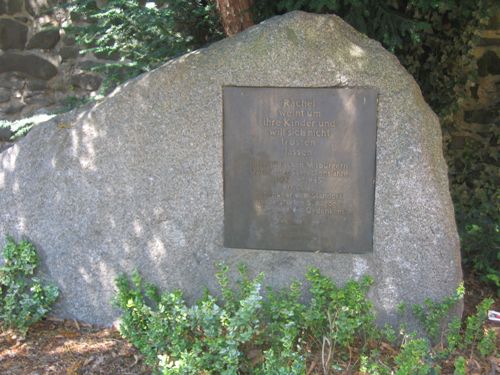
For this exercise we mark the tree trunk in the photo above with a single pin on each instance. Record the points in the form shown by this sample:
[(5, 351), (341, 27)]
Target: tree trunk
[(235, 15)]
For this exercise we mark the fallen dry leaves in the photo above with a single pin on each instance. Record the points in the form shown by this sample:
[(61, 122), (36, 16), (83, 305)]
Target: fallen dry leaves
[(69, 348)]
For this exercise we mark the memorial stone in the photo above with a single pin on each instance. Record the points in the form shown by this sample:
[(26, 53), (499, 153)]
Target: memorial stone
[(297, 143)]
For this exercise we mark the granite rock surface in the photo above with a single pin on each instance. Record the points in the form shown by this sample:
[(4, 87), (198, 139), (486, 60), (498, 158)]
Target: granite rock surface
[(136, 182)]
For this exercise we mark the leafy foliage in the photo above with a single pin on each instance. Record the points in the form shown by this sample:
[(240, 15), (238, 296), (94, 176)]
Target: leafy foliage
[(180, 339), (474, 173), (475, 334), (382, 20), (142, 35), (243, 332), (460, 366), (20, 128), (338, 315), (24, 300), (216, 336), (414, 358), (431, 314)]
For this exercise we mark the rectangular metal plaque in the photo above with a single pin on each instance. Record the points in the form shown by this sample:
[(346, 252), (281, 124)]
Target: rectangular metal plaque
[(299, 168)]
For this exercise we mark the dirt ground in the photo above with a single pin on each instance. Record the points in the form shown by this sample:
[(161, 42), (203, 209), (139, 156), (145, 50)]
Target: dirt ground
[(69, 347), (56, 346)]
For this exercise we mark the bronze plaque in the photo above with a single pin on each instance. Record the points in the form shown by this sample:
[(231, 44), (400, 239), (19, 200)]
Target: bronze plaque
[(299, 168)]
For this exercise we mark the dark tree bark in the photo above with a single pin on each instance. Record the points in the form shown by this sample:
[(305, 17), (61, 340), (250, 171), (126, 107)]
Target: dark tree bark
[(235, 15)]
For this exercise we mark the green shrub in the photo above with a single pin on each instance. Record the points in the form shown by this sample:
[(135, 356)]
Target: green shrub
[(338, 315), (475, 335), (141, 34), (243, 332), (414, 358), (474, 173), (179, 339), (24, 300), (432, 315), (217, 335)]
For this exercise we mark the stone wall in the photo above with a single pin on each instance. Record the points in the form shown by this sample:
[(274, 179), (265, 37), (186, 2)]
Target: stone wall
[(481, 109), (40, 67)]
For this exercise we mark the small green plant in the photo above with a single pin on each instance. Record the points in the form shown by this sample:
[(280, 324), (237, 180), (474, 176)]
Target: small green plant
[(24, 300), (284, 317), (453, 336), (475, 335), (373, 364), (337, 316), (432, 314), (414, 357), (460, 365)]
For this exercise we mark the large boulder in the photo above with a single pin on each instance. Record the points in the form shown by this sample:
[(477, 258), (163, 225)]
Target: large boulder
[(136, 182)]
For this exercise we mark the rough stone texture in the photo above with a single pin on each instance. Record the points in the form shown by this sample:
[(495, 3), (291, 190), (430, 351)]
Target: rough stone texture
[(40, 23), (11, 81), (69, 52), (489, 63), (40, 100), (5, 134), (5, 145), (11, 6), (37, 85), (86, 81), (14, 107), (13, 34), (136, 181), (27, 63), (37, 7), (4, 95), (45, 39)]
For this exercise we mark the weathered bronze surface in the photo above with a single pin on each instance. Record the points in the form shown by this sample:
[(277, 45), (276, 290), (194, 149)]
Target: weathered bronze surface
[(299, 168)]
